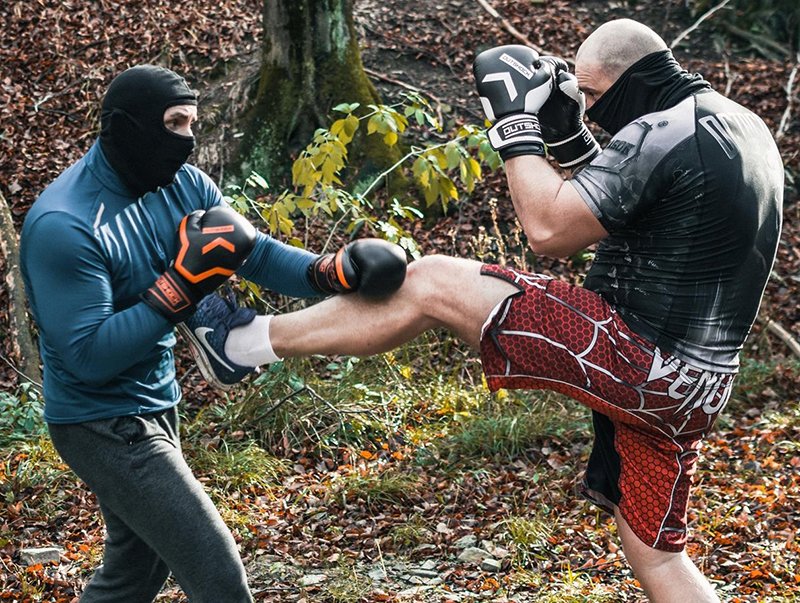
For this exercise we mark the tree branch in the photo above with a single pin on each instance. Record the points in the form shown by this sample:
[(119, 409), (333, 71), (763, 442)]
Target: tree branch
[(697, 23), (785, 118), (730, 78), (784, 335), (436, 99), (760, 43), (508, 27), (396, 82)]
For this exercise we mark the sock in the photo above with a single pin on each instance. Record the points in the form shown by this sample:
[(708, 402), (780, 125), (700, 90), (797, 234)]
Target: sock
[(249, 345)]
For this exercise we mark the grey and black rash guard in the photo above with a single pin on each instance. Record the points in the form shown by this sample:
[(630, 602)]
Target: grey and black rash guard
[(691, 198)]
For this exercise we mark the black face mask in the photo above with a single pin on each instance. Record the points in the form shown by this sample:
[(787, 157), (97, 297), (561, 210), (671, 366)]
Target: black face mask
[(140, 148), (653, 83)]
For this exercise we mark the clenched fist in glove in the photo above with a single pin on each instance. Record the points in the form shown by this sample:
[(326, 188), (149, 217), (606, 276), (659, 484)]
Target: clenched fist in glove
[(213, 244), (373, 267), (513, 84), (568, 139)]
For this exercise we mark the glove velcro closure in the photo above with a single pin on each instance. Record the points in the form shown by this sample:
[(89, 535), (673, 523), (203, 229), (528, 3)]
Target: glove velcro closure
[(171, 297), (518, 134), (574, 150), (331, 273)]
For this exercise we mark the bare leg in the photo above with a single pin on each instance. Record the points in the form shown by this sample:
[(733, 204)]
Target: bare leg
[(665, 577), (439, 291)]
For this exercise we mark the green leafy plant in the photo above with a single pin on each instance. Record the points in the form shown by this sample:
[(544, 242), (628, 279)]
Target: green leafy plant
[(33, 474), (440, 170), (383, 487), (235, 466), (346, 584), (411, 533), (21, 415)]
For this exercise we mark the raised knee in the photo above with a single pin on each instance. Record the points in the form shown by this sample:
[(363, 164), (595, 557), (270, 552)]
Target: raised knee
[(429, 276), (430, 264)]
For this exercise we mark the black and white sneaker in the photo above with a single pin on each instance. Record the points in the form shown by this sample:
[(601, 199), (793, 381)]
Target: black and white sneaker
[(207, 330)]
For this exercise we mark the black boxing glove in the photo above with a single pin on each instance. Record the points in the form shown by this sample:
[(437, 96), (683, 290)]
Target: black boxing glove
[(213, 244), (373, 267), (513, 84), (568, 139)]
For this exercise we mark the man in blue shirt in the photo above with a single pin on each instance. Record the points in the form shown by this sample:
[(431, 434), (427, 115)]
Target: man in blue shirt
[(116, 252)]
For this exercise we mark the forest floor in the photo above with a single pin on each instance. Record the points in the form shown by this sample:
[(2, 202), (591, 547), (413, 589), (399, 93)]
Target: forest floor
[(470, 497)]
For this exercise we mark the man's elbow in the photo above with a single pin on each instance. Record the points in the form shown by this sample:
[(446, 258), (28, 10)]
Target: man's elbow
[(550, 245)]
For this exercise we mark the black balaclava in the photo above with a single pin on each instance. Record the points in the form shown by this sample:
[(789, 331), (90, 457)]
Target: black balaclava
[(653, 83), (140, 148)]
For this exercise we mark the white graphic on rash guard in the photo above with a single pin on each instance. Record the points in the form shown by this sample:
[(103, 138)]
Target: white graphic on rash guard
[(691, 198), (722, 125)]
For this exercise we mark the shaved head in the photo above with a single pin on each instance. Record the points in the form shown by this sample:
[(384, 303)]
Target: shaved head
[(616, 45)]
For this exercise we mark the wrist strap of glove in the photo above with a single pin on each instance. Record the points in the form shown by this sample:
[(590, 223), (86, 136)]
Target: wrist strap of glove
[(171, 296), (518, 134), (574, 150), (329, 274)]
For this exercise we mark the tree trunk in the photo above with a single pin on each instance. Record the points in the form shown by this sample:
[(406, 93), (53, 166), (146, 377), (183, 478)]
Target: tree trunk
[(20, 343), (310, 63)]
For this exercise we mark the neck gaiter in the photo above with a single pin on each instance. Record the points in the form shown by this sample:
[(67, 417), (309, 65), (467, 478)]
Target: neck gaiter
[(653, 83)]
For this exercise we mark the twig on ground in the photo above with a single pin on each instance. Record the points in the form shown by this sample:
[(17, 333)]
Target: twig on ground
[(191, 370), (697, 23), (341, 411), (35, 383), (784, 335), (731, 77), (66, 114), (508, 27), (787, 113), (279, 403)]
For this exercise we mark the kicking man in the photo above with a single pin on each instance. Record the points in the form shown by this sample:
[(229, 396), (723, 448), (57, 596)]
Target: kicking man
[(116, 252), (685, 203)]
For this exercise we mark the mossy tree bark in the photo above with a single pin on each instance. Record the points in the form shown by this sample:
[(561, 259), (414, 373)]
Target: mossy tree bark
[(311, 62), (20, 342)]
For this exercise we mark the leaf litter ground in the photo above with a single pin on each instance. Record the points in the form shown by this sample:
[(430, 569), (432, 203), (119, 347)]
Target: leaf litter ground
[(312, 537)]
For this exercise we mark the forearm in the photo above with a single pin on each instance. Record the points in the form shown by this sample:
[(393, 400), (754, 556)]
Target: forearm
[(72, 298), (534, 186), (99, 352), (279, 267), (554, 217)]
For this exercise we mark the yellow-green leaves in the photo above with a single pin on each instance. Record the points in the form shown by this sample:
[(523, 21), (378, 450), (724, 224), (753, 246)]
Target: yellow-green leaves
[(320, 162), (443, 171), (387, 121), (419, 107), (345, 128), (437, 168)]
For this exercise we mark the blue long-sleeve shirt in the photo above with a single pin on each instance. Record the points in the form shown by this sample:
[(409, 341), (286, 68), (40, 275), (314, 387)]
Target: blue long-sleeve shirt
[(88, 249)]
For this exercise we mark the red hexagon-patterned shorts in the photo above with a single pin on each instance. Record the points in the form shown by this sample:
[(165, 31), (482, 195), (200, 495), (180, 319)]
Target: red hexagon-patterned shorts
[(651, 410)]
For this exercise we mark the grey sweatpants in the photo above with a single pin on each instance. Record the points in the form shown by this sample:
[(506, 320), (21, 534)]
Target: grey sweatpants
[(158, 518)]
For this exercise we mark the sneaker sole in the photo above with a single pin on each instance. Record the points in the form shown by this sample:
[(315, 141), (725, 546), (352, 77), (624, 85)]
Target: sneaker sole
[(201, 359)]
